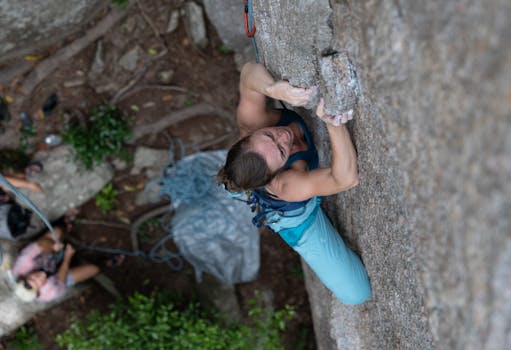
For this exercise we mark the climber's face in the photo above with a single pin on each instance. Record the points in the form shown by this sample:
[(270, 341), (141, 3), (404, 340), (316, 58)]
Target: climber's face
[(274, 145), (36, 280)]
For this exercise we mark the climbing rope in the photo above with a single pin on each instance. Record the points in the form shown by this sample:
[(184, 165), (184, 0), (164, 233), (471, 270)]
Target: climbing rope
[(176, 182), (250, 27), (250, 30), (159, 253), (14, 190)]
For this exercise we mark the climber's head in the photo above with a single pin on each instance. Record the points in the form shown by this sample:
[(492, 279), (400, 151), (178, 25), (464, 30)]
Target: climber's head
[(255, 159)]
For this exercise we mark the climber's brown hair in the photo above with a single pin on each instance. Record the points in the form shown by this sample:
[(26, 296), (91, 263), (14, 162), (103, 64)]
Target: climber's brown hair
[(244, 169)]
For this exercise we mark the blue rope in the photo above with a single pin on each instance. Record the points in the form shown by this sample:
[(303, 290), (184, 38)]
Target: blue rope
[(251, 25), (176, 182), (14, 190)]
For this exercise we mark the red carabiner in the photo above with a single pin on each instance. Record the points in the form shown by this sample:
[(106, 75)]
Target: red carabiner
[(250, 32)]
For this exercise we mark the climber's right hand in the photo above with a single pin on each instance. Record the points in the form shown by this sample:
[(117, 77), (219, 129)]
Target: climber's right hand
[(295, 96)]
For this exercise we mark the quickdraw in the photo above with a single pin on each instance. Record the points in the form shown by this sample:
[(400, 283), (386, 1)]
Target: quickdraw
[(248, 11)]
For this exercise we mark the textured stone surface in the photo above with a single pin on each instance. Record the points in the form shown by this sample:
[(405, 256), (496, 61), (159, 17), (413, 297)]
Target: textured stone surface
[(28, 25), (195, 24), (150, 161), (430, 217), (227, 17), (66, 184), (15, 312)]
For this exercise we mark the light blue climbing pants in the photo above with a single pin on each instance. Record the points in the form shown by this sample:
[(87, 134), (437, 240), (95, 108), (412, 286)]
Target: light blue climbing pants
[(337, 266)]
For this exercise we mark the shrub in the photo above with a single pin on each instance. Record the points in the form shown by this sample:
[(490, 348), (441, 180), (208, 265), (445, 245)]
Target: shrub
[(106, 198), (24, 339), (153, 323), (122, 4), (107, 131)]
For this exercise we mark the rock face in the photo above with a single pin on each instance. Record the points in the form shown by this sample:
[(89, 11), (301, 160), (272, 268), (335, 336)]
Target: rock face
[(66, 184), (25, 23), (430, 217)]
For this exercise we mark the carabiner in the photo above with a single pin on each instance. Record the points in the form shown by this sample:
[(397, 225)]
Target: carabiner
[(250, 32)]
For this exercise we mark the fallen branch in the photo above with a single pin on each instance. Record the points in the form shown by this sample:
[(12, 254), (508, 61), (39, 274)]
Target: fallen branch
[(179, 116), (151, 87), (49, 65), (138, 75), (148, 20), (215, 141), (104, 223)]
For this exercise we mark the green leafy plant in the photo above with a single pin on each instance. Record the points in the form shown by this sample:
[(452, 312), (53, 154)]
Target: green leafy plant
[(224, 49), (151, 322), (187, 103), (268, 323), (106, 198), (107, 131), (121, 4), (25, 339)]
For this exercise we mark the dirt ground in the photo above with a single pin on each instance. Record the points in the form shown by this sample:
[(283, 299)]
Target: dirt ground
[(208, 76)]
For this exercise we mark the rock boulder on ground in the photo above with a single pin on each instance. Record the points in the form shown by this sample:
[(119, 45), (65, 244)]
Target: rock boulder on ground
[(34, 24), (66, 184)]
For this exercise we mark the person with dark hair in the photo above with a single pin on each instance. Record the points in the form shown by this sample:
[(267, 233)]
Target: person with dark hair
[(275, 167), (43, 269)]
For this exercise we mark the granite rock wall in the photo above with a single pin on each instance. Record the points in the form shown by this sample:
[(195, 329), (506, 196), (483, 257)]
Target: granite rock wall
[(431, 216)]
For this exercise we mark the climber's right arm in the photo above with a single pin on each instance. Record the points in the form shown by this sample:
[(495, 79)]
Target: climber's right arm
[(256, 84)]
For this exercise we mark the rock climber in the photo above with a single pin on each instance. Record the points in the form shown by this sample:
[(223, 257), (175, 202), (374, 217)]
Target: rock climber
[(43, 271), (275, 166)]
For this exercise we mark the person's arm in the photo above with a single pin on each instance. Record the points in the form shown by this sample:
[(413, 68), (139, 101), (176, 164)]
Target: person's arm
[(256, 84), (297, 184), (20, 183), (64, 267)]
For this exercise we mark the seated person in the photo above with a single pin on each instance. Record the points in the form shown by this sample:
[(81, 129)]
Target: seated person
[(42, 269)]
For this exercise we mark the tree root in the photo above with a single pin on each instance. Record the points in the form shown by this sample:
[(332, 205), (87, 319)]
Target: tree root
[(104, 223), (136, 78), (156, 32), (179, 116), (140, 220), (152, 87), (49, 65)]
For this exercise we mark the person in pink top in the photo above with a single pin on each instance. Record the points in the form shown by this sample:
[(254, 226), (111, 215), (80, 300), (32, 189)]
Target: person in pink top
[(42, 274), (41, 286)]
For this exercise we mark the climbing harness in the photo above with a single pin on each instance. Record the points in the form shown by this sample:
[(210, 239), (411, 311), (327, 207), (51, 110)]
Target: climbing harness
[(250, 27)]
